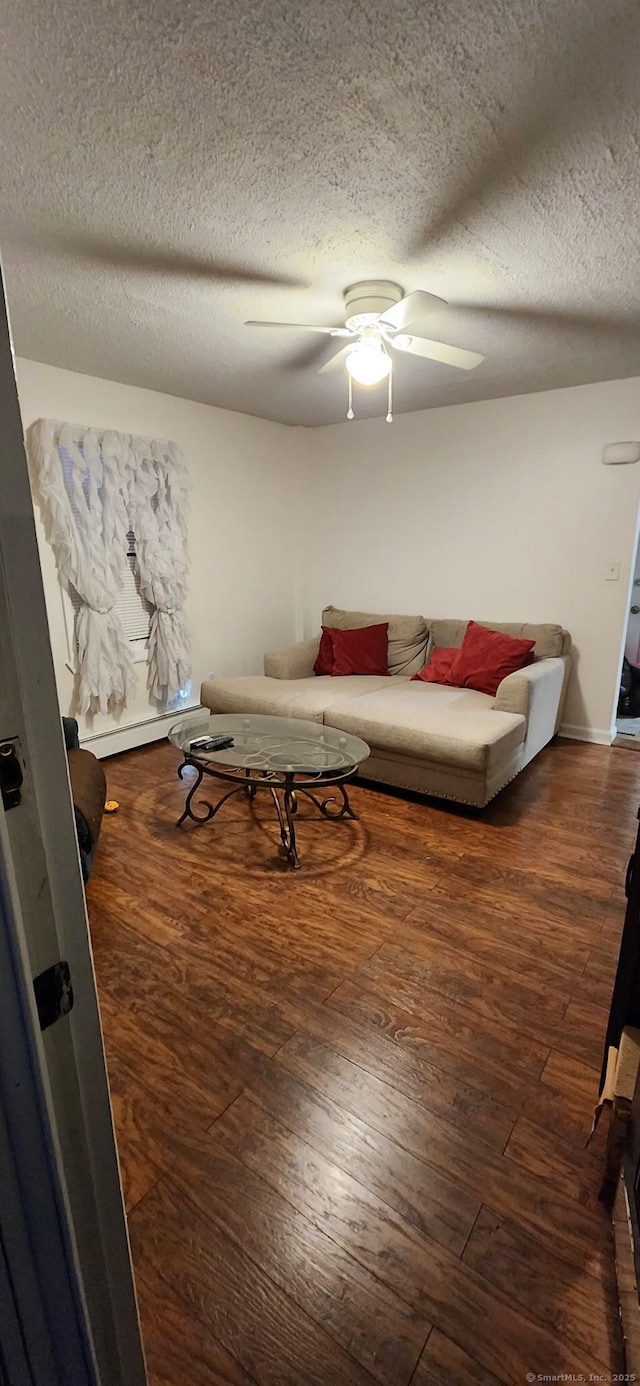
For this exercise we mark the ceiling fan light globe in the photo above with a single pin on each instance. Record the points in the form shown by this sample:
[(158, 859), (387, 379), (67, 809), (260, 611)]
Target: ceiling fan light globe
[(368, 364)]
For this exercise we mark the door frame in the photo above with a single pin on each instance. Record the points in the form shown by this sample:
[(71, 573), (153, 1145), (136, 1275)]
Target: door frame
[(44, 1337), (635, 552), (55, 1111)]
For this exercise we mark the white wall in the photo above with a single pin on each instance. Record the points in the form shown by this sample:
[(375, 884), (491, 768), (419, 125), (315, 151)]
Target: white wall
[(499, 510), (243, 477)]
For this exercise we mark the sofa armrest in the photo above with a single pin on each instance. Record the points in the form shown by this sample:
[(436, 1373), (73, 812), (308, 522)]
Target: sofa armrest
[(292, 661), (71, 734), (537, 693), (88, 791)]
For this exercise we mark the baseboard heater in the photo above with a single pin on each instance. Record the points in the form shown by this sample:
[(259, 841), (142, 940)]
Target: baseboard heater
[(110, 743)]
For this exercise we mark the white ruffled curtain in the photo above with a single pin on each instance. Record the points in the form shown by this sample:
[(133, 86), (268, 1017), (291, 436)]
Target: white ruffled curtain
[(159, 522), (86, 523), (92, 490)]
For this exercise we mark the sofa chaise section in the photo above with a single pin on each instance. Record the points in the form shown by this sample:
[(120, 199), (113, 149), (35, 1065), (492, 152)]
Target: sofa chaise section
[(450, 743), (536, 692)]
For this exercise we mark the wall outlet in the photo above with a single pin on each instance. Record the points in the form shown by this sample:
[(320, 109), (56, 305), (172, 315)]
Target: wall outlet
[(612, 572)]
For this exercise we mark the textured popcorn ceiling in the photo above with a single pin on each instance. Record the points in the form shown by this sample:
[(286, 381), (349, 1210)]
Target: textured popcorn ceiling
[(172, 167)]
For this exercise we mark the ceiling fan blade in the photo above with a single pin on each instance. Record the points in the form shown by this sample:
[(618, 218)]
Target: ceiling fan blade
[(144, 259), (336, 362), (440, 351), (305, 327), (567, 81), (525, 316), (410, 309)]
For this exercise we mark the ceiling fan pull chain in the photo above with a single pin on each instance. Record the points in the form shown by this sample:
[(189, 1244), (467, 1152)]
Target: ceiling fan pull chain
[(350, 409), (389, 418)]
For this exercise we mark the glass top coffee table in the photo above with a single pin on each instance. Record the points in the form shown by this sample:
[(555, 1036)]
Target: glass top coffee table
[(283, 755)]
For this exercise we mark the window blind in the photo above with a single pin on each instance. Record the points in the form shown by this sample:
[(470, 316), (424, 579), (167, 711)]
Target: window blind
[(133, 609)]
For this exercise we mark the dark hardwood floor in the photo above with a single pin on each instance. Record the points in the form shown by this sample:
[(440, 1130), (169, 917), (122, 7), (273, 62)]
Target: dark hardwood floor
[(351, 1101)]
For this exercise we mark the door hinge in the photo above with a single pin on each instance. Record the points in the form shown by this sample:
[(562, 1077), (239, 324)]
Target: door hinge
[(54, 993), (10, 774)]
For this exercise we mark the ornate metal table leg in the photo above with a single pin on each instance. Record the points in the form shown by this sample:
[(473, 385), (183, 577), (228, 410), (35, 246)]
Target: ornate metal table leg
[(212, 809), (347, 811), (250, 787), (285, 819), (291, 807), (344, 810), (188, 811)]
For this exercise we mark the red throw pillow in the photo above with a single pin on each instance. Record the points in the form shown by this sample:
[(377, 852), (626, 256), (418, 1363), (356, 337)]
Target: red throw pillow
[(437, 670), (361, 651), (324, 658), (486, 657)]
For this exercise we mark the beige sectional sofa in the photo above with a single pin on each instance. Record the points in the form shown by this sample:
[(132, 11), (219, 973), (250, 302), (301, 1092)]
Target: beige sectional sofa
[(451, 742)]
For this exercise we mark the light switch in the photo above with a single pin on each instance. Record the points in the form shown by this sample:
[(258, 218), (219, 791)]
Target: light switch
[(612, 572)]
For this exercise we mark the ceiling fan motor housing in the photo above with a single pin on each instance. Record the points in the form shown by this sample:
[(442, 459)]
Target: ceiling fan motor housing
[(365, 301)]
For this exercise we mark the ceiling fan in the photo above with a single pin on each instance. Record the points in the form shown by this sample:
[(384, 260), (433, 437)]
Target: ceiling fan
[(378, 317)]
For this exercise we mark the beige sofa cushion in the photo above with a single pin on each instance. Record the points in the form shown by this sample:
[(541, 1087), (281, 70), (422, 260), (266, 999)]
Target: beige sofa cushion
[(453, 726), (307, 698), (408, 635), (292, 661), (551, 641)]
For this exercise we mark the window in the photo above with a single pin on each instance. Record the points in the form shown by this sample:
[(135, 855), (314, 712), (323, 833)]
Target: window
[(133, 609)]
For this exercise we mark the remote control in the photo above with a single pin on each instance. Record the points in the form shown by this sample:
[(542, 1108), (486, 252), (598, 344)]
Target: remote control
[(211, 743)]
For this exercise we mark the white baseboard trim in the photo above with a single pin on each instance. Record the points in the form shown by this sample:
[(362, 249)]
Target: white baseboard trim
[(597, 735), (109, 743)]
